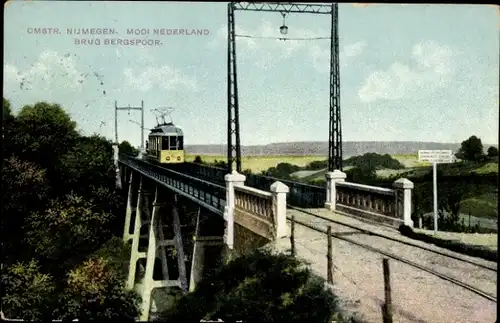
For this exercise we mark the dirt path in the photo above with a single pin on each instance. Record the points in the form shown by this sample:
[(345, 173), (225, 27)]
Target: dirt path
[(417, 296)]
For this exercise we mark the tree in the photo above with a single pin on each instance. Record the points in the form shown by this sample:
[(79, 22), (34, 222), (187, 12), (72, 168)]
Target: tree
[(6, 112), (8, 129), (282, 170), (198, 160), (471, 149), (25, 190), (492, 152), (362, 175), (317, 165), (28, 293), (44, 132), (126, 148), (95, 291), (87, 165), (258, 287), (67, 232), (374, 161)]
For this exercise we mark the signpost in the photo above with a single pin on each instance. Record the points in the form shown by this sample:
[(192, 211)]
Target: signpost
[(436, 157)]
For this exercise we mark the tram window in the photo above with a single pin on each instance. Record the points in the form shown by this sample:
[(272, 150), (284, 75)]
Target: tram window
[(173, 142), (180, 143), (164, 143)]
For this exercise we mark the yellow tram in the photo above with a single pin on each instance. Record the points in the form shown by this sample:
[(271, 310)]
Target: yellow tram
[(166, 144)]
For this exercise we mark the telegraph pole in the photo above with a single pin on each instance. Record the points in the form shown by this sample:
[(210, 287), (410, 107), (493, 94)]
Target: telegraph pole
[(118, 182), (130, 108)]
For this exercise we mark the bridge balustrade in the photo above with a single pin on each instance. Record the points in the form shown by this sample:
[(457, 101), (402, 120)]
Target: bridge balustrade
[(254, 201), (208, 192), (392, 206), (261, 212), (300, 195)]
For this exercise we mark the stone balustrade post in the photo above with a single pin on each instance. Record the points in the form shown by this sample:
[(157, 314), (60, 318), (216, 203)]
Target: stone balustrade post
[(232, 180), (404, 207), (332, 178), (279, 191)]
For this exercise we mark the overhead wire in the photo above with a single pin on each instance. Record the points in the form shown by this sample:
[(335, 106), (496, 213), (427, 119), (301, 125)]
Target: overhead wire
[(282, 38)]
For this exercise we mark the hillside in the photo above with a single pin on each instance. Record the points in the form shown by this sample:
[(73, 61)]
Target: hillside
[(320, 148)]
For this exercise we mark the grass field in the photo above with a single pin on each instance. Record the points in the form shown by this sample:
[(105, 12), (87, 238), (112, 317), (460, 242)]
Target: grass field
[(489, 241), (259, 163), (483, 206)]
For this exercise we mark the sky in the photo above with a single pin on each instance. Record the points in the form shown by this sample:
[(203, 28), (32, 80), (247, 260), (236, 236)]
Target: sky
[(407, 72)]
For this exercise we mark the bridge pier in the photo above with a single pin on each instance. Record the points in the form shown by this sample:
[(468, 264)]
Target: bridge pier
[(135, 255), (164, 209), (156, 246), (209, 232), (131, 207)]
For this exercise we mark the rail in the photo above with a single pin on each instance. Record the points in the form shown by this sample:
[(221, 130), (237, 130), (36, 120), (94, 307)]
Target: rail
[(351, 197), (300, 194), (210, 195), (388, 254)]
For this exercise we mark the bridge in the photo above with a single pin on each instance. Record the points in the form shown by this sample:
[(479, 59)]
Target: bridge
[(182, 221), (234, 214)]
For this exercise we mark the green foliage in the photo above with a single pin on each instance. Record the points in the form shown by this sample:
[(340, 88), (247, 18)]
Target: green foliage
[(471, 149), (28, 293), (6, 112), (117, 255), (246, 172), (220, 163), (69, 229), (493, 152), (317, 165), (63, 184), (282, 171), (8, 126), (88, 163), (126, 148), (21, 182), (44, 132), (374, 161), (362, 175), (258, 287), (95, 291)]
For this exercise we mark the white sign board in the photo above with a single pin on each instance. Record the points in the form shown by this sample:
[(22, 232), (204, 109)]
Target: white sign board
[(436, 156)]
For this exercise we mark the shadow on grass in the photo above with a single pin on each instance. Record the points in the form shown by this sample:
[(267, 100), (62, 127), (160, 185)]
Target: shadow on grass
[(457, 246)]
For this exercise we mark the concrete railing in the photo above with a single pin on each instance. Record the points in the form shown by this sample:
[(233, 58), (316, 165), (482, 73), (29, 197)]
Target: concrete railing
[(264, 213), (254, 201), (392, 206)]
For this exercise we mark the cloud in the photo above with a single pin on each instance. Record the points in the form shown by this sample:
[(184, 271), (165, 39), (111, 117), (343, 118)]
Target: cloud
[(266, 46), (433, 69), (164, 77), (51, 71), (321, 57)]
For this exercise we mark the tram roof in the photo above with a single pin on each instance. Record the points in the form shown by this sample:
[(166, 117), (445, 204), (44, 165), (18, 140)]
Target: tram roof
[(167, 129)]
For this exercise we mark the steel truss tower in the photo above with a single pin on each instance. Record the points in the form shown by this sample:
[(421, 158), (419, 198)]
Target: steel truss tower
[(233, 121)]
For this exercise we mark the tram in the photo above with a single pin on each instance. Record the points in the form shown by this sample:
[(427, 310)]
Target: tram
[(165, 144)]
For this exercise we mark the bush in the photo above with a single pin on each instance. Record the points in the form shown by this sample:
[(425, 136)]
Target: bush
[(96, 291), (258, 287), (28, 293), (374, 161)]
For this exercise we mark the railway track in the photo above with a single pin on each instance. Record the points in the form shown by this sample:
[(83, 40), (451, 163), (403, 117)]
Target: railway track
[(434, 262), (429, 265)]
